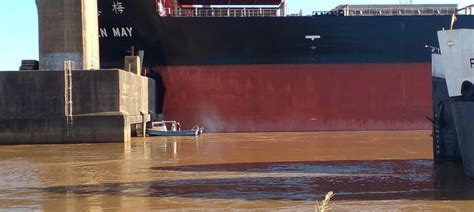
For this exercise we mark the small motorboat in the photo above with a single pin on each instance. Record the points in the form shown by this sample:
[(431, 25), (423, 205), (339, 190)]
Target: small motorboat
[(160, 128)]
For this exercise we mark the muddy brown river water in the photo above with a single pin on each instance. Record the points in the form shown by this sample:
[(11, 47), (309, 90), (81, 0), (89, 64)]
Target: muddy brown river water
[(256, 171)]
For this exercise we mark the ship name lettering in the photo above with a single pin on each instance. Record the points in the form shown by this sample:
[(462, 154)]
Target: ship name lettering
[(122, 31), (103, 33), (472, 62)]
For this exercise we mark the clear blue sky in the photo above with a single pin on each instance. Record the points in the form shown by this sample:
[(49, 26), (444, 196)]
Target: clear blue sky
[(19, 20)]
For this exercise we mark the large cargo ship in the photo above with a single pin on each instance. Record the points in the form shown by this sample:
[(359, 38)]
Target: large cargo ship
[(236, 66)]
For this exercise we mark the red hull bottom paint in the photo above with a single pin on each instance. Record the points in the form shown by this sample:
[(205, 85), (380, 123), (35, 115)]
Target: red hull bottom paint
[(243, 98)]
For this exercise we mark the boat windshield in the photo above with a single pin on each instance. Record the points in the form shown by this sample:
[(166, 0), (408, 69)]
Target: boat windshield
[(159, 124)]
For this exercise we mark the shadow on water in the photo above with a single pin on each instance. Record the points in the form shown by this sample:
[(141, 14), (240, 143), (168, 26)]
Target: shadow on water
[(350, 180), (322, 167), (451, 183)]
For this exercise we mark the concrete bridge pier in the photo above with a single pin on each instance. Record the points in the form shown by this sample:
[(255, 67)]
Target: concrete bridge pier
[(68, 30), (88, 105), (106, 104)]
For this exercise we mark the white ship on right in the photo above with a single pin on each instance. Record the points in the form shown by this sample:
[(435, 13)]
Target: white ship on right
[(457, 55)]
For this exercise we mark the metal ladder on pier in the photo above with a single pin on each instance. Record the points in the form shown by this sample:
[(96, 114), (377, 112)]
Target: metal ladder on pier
[(68, 67)]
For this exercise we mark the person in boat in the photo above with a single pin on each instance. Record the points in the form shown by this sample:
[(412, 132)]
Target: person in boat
[(175, 126)]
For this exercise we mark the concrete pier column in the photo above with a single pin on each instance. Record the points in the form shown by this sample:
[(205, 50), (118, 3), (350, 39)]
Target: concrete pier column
[(68, 30)]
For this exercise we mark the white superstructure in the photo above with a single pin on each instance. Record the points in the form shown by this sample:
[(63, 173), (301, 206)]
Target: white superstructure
[(457, 53)]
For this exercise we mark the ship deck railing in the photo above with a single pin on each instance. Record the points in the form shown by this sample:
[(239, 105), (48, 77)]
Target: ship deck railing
[(388, 12), (467, 10), (225, 12), (344, 11)]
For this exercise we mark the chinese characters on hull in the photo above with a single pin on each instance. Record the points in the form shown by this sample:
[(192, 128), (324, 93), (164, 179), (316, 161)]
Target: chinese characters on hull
[(117, 7)]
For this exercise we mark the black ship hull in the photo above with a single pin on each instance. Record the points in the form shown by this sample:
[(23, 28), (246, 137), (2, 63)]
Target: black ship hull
[(445, 143)]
